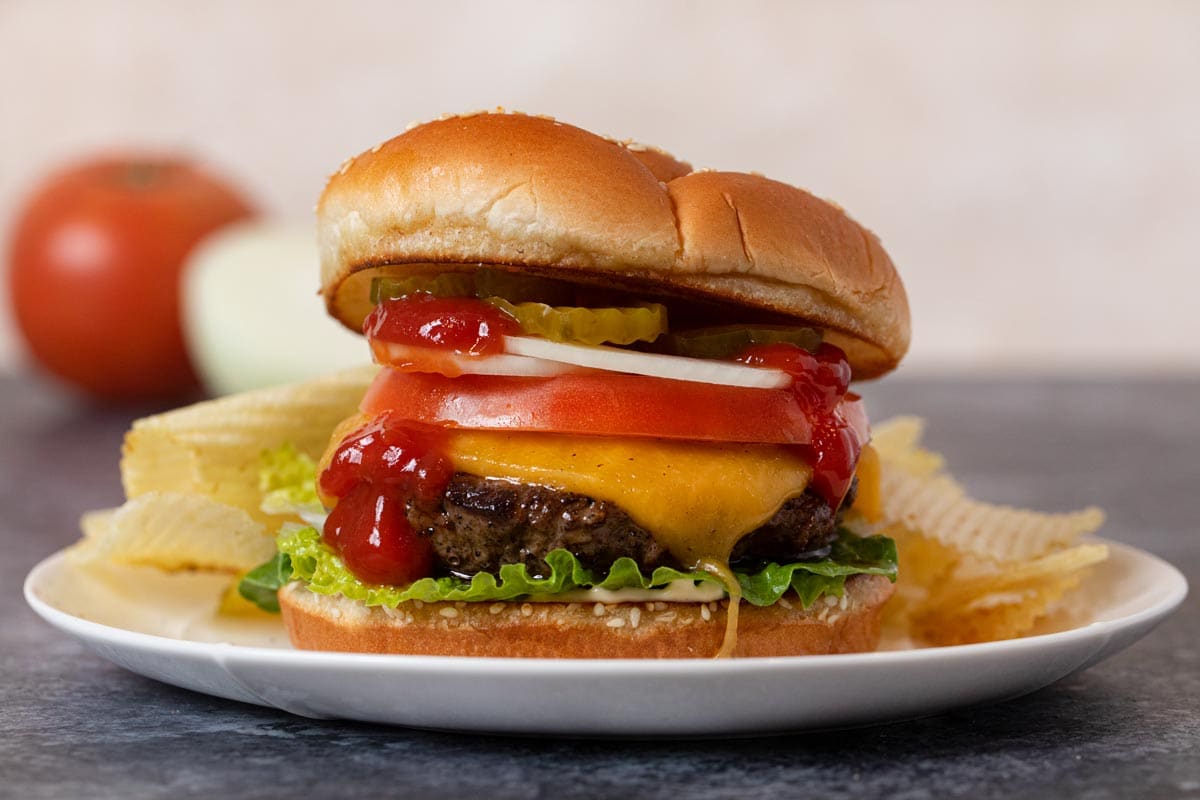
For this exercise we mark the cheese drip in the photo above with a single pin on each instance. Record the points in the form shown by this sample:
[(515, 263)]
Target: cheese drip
[(696, 499), (721, 570)]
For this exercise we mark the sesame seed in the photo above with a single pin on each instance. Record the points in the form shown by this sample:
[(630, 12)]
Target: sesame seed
[(448, 613), (572, 607), (704, 612), (834, 618), (666, 616), (649, 606), (526, 610), (830, 600), (418, 604), (598, 609), (460, 604), (635, 616), (660, 606), (845, 602), (495, 608), (616, 622), (785, 604)]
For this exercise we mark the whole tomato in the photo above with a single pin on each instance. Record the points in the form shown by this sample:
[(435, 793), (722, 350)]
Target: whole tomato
[(94, 272)]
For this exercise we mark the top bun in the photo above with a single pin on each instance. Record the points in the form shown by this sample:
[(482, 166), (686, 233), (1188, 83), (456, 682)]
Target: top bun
[(550, 198)]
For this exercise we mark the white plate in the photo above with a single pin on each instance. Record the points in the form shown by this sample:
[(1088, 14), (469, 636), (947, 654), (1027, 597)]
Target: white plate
[(163, 627)]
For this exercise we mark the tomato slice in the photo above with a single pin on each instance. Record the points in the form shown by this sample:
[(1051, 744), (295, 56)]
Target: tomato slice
[(603, 404)]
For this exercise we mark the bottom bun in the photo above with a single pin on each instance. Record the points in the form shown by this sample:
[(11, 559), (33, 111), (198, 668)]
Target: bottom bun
[(585, 630)]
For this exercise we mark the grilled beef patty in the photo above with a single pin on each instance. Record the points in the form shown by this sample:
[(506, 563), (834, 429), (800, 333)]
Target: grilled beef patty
[(483, 523)]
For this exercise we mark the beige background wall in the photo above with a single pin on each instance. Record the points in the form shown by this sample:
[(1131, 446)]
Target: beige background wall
[(1034, 168)]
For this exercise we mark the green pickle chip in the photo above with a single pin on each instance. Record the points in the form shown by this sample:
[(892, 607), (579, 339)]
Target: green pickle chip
[(517, 288), (726, 341), (541, 306), (509, 292), (587, 325), (446, 284)]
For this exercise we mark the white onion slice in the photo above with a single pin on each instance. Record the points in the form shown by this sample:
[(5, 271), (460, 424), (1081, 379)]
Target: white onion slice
[(451, 363), (678, 368)]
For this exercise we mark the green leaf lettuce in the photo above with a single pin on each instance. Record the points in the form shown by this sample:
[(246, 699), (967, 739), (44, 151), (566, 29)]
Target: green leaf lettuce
[(304, 556), (288, 481)]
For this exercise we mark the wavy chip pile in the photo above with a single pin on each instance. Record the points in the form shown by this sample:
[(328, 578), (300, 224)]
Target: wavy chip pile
[(971, 571)]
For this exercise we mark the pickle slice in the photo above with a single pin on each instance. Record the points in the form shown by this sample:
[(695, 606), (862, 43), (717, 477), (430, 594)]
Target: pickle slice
[(518, 288), (445, 284), (726, 341), (482, 283), (587, 325)]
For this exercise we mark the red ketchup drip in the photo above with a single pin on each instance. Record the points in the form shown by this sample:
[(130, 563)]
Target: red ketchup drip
[(372, 473), (459, 324), (820, 381)]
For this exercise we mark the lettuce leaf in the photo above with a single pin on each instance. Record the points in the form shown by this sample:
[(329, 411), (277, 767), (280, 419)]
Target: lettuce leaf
[(311, 560), (261, 585), (288, 481)]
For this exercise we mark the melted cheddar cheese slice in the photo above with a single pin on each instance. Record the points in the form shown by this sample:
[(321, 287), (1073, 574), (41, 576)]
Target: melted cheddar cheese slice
[(697, 499)]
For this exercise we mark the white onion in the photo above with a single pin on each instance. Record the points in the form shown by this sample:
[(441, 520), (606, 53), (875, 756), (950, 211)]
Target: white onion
[(503, 364), (250, 283), (678, 368)]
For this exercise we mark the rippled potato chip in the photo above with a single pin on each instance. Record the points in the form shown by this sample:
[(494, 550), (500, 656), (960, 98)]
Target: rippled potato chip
[(970, 571), (939, 507), (213, 448), (924, 563), (918, 494), (174, 531), (898, 443), (993, 616), (95, 524)]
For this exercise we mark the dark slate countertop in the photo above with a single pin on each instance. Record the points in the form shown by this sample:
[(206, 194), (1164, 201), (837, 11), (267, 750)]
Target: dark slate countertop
[(73, 725)]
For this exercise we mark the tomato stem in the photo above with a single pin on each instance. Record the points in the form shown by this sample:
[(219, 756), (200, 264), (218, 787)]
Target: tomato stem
[(140, 174)]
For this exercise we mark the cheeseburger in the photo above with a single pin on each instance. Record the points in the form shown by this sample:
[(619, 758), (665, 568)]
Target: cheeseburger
[(613, 416)]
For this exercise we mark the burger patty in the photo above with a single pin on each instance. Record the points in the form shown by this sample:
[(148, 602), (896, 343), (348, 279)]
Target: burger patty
[(482, 524)]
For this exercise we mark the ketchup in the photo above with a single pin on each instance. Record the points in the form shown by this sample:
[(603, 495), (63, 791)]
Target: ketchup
[(820, 381), (458, 324), (372, 472)]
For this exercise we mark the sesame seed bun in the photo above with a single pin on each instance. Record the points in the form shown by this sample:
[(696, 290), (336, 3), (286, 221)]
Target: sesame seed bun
[(552, 199), (574, 630)]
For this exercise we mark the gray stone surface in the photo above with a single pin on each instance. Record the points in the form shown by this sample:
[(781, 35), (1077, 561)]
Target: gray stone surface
[(73, 725)]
